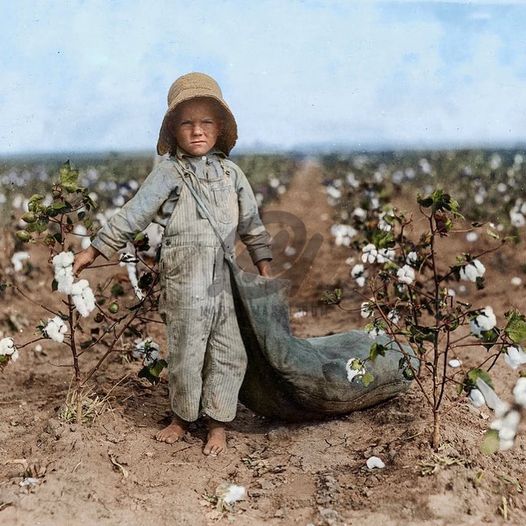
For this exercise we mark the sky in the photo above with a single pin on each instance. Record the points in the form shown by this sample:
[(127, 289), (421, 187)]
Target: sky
[(93, 75)]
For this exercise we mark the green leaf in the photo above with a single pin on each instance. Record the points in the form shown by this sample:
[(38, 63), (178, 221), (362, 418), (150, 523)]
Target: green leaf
[(367, 379), (491, 442), (332, 297), (33, 204), (54, 285), (516, 327), (117, 290), (376, 350), (153, 372), (68, 177), (472, 377), (425, 202)]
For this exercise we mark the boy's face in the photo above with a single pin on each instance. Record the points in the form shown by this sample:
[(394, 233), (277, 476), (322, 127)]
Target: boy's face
[(196, 126)]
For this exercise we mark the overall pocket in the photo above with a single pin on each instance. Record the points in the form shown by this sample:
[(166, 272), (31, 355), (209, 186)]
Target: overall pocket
[(225, 201)]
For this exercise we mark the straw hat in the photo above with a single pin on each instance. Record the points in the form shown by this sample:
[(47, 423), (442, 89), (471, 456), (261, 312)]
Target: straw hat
[(188, 87)]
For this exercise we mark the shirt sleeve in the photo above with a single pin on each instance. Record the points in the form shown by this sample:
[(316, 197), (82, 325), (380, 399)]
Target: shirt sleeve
[(138, 212), (250, 227)]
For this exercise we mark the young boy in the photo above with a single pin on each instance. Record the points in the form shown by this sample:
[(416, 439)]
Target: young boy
[(207, 358)]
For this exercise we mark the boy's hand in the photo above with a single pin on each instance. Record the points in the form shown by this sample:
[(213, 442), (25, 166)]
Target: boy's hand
[(263, 266), (84, 258)]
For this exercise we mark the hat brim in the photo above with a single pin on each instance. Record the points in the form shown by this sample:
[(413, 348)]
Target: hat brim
[(226, 141)]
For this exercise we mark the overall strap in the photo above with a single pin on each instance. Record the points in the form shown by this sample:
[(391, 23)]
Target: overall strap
[(186, 174)]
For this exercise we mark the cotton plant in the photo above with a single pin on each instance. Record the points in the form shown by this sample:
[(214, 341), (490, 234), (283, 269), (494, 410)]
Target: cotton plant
[(408, 300), (88, 319)]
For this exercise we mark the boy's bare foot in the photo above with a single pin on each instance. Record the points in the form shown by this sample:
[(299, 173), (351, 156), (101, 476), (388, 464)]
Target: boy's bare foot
[(173, 432), (216, 438)]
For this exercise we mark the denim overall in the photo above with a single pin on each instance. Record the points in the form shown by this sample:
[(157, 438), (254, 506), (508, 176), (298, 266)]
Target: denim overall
[(207, 358)]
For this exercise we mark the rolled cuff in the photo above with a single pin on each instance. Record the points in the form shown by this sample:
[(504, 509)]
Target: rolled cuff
[(103, 248), (257, 254)]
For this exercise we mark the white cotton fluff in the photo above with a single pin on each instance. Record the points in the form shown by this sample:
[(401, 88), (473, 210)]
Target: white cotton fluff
[(83, 297), (358, 273), (406, 275), (476, 398), (81, 231), (8, 348), (147, 350), (299, 314), (516, 281), (17, 260), (473, 270), (374, 332), (519, 392), (411, 258), (375, 462), (507, 426), (454, 363), (394, 316), (130, 262), (366, 309), (343, 234), (482, 322), (63, 265), (491, 399), (354, 367), (369, 253), (515, 356), (55, 329), (234, 493)]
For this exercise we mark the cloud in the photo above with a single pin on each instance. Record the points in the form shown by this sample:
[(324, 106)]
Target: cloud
[(94, 75)]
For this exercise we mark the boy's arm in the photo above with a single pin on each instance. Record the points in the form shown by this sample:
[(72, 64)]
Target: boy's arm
[(138, 212), (250, 227)]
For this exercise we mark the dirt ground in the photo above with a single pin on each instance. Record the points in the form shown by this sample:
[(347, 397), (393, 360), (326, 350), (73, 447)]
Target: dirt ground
[(112, 471)]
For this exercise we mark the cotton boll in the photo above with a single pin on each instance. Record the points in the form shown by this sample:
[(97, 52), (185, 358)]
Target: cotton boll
[(55, 329), (484, 321), (374, 332), (519, 392), (393, 316), (17, 260), (471, 237), (515, 356), (83, 297), (375, 463), (354, 367), (147, 350), (516, 281), (234, 493), (63, 266), (406, 275), (369, 253), (477, 398), (7, 346), (130, 262), (491, 398), (366, 310), (454, 363), (473, 270), (299, 314), (411, 258)]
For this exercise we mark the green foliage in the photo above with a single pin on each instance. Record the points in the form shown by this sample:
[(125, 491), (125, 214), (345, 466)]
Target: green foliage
[(69, 177), (332, 297), (152, 372), (516, 327)]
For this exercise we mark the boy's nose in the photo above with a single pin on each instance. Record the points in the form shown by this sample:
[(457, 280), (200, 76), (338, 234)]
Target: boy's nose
[(197, 130)]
